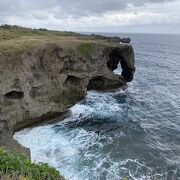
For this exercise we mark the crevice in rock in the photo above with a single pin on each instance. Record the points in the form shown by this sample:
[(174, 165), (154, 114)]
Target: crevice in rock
[(73, 80), (114, 59), (102, 83), (14, 95), (56, 52), (33, 92), (96, 83), (127, 72)]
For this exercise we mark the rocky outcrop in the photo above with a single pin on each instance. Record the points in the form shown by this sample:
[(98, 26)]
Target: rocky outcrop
[(115, 39), (42, 82)]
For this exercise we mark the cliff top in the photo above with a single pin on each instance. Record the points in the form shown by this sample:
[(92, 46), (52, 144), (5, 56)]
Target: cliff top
[(15, 38)]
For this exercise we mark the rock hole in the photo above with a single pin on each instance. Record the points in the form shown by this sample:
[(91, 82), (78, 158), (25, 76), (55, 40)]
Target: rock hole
[(102, 83), (118, 59), (114, 61), (96, 83), (14, 95), (127, 72), (73, 80)]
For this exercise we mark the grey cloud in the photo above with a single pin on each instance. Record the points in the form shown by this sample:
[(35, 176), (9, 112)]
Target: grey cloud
[(68, 7), (89, 15), (101, 6)]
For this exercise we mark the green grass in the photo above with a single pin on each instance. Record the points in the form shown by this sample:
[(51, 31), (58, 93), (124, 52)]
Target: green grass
[(17, 41), (16, 166), (85, 49), (8, 32)]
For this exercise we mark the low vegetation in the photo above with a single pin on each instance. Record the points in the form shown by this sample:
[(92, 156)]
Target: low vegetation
[(85, 49), (8, 32), (16, 40), (17, 167)]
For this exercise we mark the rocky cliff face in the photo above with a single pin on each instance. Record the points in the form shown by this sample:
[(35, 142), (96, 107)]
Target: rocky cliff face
[(43, 81)]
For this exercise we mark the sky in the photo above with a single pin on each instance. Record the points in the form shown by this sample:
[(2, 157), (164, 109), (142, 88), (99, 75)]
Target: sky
[(130, 16)]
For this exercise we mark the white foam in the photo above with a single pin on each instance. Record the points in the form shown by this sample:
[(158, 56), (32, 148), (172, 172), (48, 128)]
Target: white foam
[(76, 152)]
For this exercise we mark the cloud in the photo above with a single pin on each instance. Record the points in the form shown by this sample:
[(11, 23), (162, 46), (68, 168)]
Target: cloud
[(82, 14), (71, 7)]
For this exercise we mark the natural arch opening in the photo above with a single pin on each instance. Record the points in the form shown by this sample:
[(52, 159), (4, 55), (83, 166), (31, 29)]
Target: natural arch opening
[(114, 60), (117, 58)]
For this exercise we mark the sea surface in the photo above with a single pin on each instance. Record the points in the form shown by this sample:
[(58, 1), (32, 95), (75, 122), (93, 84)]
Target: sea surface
[(133, 133)]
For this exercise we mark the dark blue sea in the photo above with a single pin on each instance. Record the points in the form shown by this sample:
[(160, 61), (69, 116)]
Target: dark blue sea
[(133, 134)]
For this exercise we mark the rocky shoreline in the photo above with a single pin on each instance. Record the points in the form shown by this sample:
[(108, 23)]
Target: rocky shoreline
[(45, 73)]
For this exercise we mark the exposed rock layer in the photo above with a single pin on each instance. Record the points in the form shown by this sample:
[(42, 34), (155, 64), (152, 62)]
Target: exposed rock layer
[(44, 81)]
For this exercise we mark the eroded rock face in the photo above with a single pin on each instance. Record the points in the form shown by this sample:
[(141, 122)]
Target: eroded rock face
[(45, 81)]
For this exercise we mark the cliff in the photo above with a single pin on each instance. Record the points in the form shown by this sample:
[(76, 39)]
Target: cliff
[(43, 73)]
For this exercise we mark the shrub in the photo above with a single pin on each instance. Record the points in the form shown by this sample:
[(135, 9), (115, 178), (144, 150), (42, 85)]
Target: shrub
[(16, 166)]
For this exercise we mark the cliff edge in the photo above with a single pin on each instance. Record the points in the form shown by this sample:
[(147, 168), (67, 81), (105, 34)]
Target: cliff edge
[(43, 73)]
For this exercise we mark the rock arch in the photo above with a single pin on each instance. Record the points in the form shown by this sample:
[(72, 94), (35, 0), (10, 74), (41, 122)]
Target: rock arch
[(125, 58)]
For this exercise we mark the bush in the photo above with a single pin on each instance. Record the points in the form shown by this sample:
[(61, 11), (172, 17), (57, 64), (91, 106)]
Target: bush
[(16, 166)]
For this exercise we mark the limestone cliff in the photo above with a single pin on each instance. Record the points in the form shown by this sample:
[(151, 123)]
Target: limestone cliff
[(45, 73)]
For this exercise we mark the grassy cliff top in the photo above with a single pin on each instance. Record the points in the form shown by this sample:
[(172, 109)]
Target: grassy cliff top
[(19, 38)]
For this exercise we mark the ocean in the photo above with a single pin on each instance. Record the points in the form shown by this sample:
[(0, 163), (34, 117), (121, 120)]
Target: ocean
[(132, 134)]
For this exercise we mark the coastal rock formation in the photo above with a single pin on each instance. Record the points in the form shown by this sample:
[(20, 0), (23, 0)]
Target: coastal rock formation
[(114, 39), (40, 79)]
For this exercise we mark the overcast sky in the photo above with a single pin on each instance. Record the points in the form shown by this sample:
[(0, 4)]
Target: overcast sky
[(141, 16)]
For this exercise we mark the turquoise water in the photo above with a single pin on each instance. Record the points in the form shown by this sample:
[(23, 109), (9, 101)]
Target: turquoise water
[(133, 134)]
